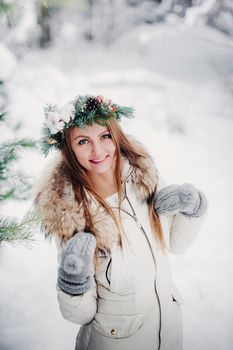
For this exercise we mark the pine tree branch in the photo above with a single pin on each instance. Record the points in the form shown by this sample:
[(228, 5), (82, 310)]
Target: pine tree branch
[(13, 230), (9, 153), (15, 186), (18, 144)]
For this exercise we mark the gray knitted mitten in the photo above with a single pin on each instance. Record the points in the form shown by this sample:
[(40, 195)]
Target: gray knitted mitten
[(76, 271), (185, 198)]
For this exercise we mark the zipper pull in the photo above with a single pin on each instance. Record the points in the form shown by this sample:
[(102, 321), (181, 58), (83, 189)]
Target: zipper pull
[(137, 221)]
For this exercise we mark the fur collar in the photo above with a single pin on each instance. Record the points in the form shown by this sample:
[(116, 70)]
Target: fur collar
[(61, 215)]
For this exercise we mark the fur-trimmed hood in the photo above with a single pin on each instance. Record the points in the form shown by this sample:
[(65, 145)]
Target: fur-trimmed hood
[(60, 213)]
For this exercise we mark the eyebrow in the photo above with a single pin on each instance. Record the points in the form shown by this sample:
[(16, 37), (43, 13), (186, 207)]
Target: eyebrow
[(85, 136)]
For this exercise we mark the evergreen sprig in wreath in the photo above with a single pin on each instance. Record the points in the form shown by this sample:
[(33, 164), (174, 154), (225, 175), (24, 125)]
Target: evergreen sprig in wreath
[(82, 111)]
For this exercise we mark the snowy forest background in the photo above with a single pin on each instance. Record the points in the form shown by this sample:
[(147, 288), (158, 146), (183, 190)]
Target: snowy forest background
[(173, 61)]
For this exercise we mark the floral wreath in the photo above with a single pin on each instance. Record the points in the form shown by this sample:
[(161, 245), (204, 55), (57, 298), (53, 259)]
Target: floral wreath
[(82, 111)]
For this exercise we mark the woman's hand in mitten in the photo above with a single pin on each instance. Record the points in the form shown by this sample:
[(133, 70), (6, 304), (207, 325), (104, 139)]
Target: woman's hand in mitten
[(183, 198), (75, 274)]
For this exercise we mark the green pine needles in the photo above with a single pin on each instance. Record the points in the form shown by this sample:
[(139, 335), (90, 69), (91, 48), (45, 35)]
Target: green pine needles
[(13, 230), (15, 186)]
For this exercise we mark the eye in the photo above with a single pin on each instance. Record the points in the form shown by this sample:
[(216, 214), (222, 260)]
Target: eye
[(106, 136), (83, 142)]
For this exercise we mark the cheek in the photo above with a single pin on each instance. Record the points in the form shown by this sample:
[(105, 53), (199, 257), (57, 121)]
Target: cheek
[(81, 155), (112, 147)]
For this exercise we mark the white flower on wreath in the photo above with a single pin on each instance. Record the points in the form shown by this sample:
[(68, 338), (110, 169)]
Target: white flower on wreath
[(54, 122), (67, 112)]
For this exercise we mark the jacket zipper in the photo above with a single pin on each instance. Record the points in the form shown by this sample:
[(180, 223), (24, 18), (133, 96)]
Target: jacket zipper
[(145, 235), (156, 291)]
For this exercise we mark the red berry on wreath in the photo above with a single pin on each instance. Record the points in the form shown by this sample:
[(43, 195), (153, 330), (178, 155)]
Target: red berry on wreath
[(100, 98)]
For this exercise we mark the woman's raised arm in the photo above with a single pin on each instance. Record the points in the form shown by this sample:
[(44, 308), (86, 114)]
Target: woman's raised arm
[(182, 210), (75, 283)]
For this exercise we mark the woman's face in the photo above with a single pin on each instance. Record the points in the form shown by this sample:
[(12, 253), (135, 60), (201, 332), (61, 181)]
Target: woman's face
[(94, 148)]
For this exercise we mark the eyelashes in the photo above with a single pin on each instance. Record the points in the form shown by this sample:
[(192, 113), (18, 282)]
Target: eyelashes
[(103, 137), (82, 142), (106, 136)]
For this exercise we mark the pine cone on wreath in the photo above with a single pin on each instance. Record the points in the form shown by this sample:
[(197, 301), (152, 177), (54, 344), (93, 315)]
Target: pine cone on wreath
[(92, 104)]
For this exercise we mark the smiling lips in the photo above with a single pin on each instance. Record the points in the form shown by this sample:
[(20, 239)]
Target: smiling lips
[(98, 161)]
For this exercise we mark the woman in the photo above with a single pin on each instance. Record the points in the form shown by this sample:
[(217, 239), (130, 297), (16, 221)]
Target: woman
[(115, 222)]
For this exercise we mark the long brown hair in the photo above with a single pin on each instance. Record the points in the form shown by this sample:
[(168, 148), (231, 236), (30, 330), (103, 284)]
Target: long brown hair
[(81, 182)]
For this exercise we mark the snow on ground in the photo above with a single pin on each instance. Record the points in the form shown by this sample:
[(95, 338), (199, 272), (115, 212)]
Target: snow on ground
[(180, 80)]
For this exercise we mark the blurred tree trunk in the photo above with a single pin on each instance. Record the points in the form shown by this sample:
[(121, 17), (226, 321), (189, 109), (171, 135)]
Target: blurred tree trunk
[(43, 14), (101, 22), (89, 33)]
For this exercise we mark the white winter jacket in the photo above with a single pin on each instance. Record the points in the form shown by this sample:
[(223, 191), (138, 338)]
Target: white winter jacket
[(134, 304)]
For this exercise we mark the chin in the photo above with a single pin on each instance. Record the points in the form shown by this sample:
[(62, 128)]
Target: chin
[(101, 171)]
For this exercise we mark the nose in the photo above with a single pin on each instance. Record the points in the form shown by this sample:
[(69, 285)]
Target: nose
[(96, 150)]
